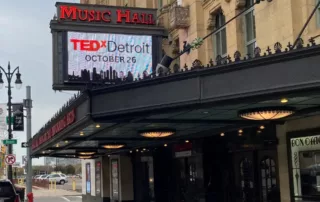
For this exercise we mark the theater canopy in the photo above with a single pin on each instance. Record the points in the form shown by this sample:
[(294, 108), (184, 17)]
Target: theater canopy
[(202, 101)]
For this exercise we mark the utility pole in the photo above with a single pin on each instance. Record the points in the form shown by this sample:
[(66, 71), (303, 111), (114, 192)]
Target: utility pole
[(28, 105)]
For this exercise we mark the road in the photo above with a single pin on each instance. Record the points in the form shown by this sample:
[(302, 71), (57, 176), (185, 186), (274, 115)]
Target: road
[(58, 198), (68, 186)]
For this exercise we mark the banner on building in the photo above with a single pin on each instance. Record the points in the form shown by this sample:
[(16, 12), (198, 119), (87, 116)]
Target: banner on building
[(3, 114), (18, 119)]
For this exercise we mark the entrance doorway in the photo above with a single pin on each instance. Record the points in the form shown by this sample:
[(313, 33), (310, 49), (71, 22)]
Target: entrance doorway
[(256, 176)]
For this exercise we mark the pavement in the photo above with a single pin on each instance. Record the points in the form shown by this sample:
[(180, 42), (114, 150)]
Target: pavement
[(58, 199), (39, 192), (68, 186), (51, 195)]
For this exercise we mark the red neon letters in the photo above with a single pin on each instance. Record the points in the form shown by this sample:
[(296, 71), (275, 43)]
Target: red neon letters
[(67, 120), (74, 13)]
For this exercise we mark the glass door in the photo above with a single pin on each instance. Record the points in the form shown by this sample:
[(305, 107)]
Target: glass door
[(246, 177)]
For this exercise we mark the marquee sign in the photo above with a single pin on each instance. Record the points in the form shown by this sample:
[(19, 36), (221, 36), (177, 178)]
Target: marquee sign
[(62, 124), (105, 15), (103, 44), (103, 57)]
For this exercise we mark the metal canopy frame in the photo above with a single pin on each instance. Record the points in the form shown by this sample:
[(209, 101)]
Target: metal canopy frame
[(122, 116)]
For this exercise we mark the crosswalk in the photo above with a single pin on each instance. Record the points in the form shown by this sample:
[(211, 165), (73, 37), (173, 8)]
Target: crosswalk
[(72, 198)]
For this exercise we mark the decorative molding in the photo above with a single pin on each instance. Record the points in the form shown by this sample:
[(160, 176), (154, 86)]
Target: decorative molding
[(211, 23), (240, 4), (207, 3), (175, 48)]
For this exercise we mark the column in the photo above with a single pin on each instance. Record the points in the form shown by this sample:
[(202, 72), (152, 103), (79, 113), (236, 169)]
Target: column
[(283, 163), (121, 178)]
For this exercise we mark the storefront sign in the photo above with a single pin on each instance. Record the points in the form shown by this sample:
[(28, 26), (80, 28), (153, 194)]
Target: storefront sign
[(98, 57), (66, 121), (305, 141), (105, 15), (98, 178), (305, 167)]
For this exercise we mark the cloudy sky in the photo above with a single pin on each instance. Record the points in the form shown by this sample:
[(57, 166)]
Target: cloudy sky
[(25, 41)]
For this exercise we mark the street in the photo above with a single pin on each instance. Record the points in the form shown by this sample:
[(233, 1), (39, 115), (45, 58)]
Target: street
[(58, 198)]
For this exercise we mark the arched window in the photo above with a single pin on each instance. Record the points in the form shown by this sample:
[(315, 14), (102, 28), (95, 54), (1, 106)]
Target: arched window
[(220, 37), (268, 177)]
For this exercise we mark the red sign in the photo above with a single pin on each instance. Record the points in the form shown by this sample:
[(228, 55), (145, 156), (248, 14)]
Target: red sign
[(183, 147), (67, 120), (91, 15), (10, 159)]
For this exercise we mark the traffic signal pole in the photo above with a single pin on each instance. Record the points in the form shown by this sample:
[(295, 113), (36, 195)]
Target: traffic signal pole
[(28, 105)]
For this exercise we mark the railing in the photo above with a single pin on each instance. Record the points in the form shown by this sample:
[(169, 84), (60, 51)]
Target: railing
[(40, 183), (179, 16)]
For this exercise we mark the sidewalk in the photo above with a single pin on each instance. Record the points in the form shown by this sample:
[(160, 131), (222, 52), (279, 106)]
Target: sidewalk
[(39, 192)]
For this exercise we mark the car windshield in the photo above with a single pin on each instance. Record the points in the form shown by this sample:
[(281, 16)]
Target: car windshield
[(6, 189)]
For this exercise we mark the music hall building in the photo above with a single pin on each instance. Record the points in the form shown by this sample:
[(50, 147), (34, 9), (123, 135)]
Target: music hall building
[(157, 121)]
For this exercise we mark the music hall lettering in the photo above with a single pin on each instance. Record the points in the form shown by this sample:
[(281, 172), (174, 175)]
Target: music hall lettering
[(305, 141), (67, 120), (90, 15)]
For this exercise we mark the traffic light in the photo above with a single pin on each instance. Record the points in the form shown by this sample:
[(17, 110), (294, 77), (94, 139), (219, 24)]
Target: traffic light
[(3, 149)]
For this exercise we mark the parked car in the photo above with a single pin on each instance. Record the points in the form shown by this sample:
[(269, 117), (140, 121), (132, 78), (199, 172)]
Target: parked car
[(59, 178), (8, 192)]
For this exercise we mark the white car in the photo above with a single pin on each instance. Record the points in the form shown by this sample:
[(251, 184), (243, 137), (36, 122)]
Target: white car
[(59, 178)]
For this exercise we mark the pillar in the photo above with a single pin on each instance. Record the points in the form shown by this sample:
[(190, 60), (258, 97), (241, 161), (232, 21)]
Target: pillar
[(105, 179), (283, 163), (121, 176), (95, 180)]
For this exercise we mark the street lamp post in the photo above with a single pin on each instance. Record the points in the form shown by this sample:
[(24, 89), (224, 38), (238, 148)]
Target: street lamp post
[(9, 75)]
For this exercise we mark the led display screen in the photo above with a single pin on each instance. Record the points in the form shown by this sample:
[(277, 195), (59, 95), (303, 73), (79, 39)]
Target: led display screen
[(105, 56)]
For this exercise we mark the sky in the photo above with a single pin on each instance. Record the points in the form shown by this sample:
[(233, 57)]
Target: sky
[(25, 41)]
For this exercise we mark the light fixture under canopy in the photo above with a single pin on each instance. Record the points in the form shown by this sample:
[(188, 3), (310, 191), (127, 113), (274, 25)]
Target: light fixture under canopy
[(157, 133), (85, 157), (266, 113), (86, 153), (113, 145)]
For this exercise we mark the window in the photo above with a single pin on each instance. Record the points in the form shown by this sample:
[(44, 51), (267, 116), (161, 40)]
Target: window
[(6, 189), (220, 38), (250, 28), (160, 3), (318, 14)]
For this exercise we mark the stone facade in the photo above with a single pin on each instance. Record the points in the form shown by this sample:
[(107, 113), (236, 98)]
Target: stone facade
[(278, 21)]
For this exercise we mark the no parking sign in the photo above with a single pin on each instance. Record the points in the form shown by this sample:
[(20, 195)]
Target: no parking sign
[(10, 159)]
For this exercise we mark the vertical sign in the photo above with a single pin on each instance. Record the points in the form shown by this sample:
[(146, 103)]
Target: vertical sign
[(18, 120), (115, 179), (3, 114), (88, 178), (98, 178)]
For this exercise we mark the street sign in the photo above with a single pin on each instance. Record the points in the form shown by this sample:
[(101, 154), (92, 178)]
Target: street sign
[(10, 141), (7, 119), (24, 144), (24, 160), (10, 159)]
